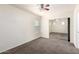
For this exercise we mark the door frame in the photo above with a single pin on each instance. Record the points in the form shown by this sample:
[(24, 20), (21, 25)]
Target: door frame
[(68, 29)]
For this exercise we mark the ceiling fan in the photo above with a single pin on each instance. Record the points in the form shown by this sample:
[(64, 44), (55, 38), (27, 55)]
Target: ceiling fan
[(45, 7)]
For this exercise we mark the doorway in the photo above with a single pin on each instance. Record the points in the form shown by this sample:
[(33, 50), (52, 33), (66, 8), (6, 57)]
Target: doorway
[(60, 29)]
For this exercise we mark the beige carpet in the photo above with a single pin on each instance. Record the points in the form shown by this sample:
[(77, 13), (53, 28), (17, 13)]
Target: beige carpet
[(56, 44)]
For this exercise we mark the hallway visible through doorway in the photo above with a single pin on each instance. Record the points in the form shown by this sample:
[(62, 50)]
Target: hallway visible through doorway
[(60, 36), (60, 28)]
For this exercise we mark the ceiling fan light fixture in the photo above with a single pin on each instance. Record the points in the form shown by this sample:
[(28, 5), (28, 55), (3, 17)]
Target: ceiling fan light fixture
[(45, 7)]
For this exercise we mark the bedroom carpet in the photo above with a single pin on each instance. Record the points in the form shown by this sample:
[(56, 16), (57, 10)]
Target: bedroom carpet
[(56, 44)]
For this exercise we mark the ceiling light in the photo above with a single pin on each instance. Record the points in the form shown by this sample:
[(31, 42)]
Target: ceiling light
[(63, 23)]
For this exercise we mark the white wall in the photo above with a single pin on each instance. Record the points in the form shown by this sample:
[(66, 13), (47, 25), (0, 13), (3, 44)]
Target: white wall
[(58, 27), (45, 27), (36, 27), (75, 24), (16, 27)]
